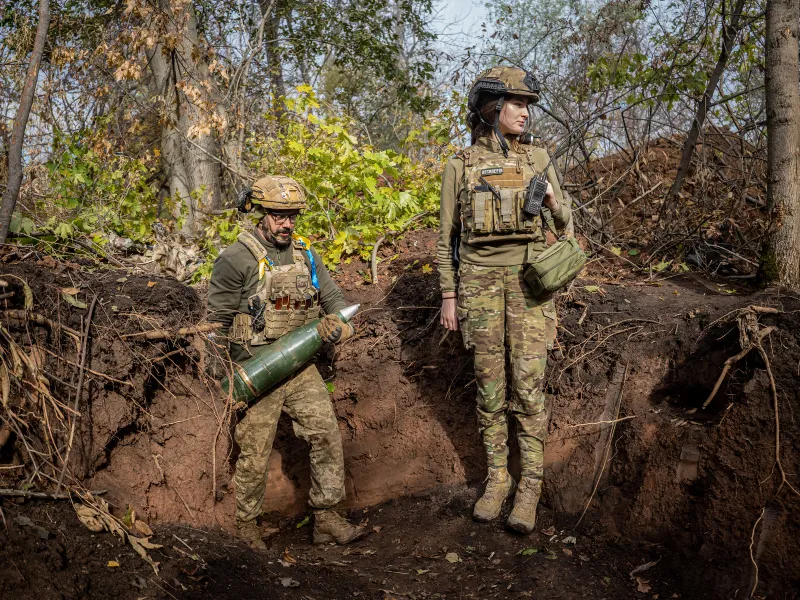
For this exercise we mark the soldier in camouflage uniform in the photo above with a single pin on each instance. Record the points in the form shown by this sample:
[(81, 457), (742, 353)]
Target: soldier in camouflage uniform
[(266, 284), (482, 223)]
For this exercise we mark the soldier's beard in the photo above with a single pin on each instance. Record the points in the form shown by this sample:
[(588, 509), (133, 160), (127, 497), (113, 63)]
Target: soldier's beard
[(281, 239)]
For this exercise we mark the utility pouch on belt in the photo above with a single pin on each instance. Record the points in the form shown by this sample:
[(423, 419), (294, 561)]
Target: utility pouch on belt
[(241, 331), (556, 266)]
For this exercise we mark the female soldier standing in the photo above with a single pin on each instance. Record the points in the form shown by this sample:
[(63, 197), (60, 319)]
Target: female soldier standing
[(483, 191)]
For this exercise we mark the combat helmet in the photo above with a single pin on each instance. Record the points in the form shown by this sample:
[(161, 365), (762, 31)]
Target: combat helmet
[(273, 192), (501, 82)]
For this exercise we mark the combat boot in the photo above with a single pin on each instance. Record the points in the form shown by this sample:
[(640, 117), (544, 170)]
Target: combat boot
[(330, 527), (523, 516), (499, 486), (250, 532)]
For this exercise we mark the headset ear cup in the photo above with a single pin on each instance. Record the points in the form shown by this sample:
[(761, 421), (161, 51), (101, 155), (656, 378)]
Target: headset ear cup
[(243, 201)]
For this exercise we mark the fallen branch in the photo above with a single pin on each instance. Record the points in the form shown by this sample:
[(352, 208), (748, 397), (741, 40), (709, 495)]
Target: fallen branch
[(163, 334), (735, 358)]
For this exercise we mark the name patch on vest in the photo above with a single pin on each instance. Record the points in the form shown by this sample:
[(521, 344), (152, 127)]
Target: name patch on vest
[(492, 171)]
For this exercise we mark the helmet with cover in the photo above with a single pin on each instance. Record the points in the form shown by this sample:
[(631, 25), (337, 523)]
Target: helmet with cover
[(272, 193), (496, 84)]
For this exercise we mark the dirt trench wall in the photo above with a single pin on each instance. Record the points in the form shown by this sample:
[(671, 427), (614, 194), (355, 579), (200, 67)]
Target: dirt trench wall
[(156, 435)]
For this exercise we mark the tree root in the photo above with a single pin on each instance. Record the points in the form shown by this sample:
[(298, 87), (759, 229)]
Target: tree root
[(752, 559), (163, 334), (777, 422), (79, 390), (25, 316), (12, 493), (729, 363)]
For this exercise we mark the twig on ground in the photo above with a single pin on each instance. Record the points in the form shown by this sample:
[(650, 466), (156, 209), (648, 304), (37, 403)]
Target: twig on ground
[(90, 371), (377, 245), (584, 313)]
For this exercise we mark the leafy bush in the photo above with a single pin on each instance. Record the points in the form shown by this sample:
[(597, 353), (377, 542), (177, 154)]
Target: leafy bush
[(94, 190), (355, 193)]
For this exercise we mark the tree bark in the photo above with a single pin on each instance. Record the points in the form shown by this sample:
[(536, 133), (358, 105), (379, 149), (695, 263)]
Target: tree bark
[(729, 33), (191, 112), (21, 121), (272, 46), (781, 261)]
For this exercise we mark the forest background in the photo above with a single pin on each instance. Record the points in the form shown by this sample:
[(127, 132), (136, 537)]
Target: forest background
[(147, 117)]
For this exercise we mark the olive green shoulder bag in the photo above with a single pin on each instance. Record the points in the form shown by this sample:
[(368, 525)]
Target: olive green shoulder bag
[(557, 265)]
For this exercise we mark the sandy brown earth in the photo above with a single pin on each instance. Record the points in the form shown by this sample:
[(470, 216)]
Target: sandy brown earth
[(669, 481)]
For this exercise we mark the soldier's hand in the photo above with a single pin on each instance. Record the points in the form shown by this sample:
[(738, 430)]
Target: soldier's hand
[(332, 329), (550, 198), (449, 316)]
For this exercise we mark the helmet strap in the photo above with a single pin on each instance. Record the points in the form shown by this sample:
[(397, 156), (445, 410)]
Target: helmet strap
[(500, 137)]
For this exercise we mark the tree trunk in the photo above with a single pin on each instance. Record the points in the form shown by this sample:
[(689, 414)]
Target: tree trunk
[(192, 116), (272, 45), (729, 34), (21, 121), (781, 261)]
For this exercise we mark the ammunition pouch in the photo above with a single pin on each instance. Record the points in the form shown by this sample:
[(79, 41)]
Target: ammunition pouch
[(241, 331), (494, 195), (286, 296)]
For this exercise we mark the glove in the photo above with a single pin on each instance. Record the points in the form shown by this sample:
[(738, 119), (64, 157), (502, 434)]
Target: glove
[(217, 357), (332, 329)]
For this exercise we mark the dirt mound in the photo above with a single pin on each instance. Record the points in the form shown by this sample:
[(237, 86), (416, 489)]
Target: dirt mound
[(642, 354), (715, 224)]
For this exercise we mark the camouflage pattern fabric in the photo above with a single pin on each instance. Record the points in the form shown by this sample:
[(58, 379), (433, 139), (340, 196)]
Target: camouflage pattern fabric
[(306, 400), (495, 309)]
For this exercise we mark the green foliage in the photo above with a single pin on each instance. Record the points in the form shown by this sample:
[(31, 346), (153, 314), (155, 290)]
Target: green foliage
[(94, 191), (356, 193), (221, 231)]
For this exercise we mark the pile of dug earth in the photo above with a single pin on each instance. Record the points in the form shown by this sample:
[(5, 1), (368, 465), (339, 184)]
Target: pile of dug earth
[(650, 490)]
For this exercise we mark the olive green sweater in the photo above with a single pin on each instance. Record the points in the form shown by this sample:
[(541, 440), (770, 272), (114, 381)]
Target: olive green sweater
[(235, 276), (506, 252)]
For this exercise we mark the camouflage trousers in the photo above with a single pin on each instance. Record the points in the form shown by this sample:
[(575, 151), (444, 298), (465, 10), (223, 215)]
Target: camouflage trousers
[(496, 309), (305, 399)]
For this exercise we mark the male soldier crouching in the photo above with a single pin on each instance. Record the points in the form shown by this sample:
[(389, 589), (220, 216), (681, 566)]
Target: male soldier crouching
[(263, 286)]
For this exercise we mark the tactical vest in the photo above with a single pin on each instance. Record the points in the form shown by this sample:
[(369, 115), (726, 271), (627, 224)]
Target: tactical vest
[(493, 193), (286, 296)]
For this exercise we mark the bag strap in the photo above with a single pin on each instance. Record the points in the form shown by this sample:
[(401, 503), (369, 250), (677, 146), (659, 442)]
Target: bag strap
[(250, 241), (547, 217)]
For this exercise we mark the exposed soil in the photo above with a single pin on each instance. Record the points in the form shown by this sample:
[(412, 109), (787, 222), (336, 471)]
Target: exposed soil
[(672, 481), (407, 557)]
